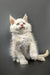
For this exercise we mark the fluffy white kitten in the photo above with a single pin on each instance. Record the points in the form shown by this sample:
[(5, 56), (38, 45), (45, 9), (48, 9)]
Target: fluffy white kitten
[(23, 45)]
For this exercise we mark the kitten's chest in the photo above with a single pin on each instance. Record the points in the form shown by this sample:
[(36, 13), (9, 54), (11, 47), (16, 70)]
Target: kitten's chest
[(23, 38), (22, 43)]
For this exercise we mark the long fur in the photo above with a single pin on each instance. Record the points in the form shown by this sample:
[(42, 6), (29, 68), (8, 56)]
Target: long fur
[(23, 43)]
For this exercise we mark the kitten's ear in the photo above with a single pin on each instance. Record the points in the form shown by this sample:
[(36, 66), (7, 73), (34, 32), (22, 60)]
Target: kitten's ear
[(12, 20), (25, 17)]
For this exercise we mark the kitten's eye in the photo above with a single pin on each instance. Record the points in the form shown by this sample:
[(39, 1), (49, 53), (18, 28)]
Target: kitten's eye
[(17, 24), (23, 23)]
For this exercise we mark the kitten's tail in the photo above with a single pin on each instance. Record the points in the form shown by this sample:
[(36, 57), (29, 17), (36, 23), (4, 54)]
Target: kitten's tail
[(41, 57), (45, 54)]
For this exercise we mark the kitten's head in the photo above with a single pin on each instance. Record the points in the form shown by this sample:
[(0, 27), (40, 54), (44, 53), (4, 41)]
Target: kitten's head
[(20, 25)]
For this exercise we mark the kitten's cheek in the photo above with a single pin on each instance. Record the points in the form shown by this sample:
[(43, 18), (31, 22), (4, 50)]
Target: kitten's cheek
[(16, 29)]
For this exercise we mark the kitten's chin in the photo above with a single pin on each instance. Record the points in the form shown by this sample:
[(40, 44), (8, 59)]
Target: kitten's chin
[(20, 31)]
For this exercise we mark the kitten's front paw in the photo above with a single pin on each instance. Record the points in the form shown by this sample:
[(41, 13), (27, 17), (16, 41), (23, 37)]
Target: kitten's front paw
[(23, 61), (33, 56)]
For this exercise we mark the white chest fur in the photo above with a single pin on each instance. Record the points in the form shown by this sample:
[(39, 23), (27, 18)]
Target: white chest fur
[(21, 38), (23, 44)]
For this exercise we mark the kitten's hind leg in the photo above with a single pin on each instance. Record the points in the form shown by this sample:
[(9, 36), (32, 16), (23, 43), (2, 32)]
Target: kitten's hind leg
[(33, 51)]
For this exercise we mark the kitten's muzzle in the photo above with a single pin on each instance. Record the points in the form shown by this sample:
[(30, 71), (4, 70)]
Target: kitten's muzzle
[(22, 28)]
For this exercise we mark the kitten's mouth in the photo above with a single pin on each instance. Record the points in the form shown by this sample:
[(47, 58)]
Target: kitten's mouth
[(22, 28)]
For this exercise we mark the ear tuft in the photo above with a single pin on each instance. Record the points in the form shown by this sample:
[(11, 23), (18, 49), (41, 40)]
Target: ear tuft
[(12, 20), (25, 17)]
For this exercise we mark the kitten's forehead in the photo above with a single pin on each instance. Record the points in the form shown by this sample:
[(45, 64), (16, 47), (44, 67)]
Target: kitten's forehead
[(19, 20)]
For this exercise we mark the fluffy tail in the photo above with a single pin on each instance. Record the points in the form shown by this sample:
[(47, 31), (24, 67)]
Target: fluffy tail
[(41, 57), (45, 54)]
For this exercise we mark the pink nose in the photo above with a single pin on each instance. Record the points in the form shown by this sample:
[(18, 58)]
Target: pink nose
[(21, 25)]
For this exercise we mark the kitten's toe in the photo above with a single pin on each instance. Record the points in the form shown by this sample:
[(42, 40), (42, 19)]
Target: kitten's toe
[(23, 62)]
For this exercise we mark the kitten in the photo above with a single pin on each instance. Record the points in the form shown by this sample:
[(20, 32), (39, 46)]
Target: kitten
[(23, 45)]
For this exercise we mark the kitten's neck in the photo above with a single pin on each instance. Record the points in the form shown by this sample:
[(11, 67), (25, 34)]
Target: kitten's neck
[(13, 34)]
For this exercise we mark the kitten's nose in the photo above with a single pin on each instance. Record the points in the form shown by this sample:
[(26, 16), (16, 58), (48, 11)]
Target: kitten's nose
[(21, 25)]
